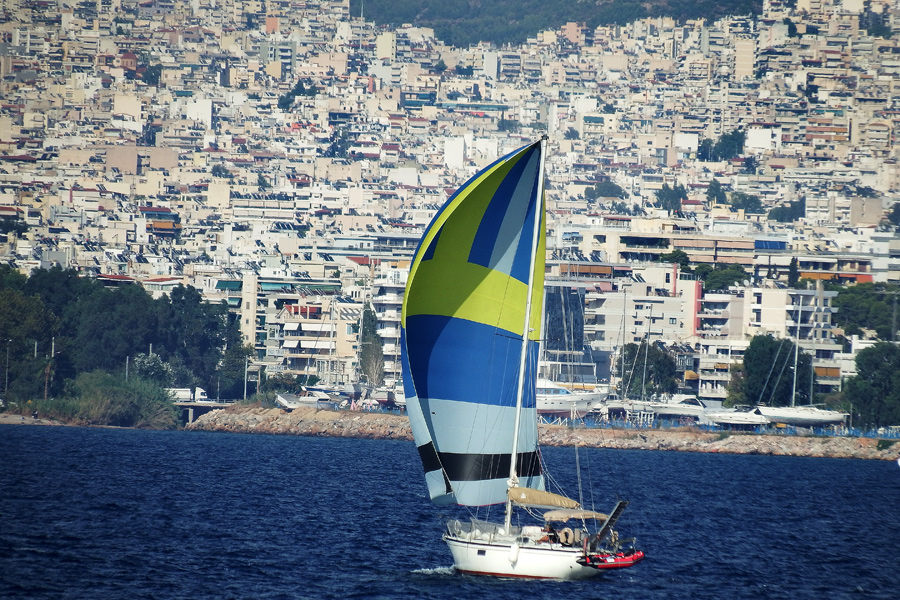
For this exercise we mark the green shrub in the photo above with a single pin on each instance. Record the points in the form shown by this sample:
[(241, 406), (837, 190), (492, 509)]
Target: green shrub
[(885, 444)]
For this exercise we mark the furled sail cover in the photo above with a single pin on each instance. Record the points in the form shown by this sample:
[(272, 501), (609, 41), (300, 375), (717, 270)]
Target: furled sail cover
[(462, 331), (539, 498)]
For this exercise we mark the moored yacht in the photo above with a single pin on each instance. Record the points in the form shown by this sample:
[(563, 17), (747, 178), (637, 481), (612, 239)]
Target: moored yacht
[(807, 415), (737, 417), (558, 402)]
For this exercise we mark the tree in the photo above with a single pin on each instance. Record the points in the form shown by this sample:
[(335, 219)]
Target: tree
[(767, 374), (659, 377), (220, 171), (670, 198), (151, 367), (371, 355), (792, 28), (194, 332), (728, 146), (25, 324), (789, 213), (715, 193), (868, 306), (793, 273), (722, 278), (750, 165), (678, 257), (571, 134), (894, 215), (750, 203), (283, 382), (604, 189), (705, 150), (152, 74), (10, 279), (229, 377), (13, 225), (880, 30), (874, 393)]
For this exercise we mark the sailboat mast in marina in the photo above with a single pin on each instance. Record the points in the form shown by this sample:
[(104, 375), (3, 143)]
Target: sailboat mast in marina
[(470, 330)]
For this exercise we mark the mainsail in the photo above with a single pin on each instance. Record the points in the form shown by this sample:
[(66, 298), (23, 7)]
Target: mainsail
[(462, 334)]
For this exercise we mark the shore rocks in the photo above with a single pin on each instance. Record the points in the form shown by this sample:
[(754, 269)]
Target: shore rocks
[(310, 421)]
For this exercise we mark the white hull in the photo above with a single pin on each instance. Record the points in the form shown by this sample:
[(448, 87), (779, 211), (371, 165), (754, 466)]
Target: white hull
[(737, 417), (567, 407), (555, 401), (506, 558), (802, 416)]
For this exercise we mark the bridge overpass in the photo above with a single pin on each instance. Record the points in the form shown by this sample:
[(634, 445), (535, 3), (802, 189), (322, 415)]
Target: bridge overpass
[(192, 409)]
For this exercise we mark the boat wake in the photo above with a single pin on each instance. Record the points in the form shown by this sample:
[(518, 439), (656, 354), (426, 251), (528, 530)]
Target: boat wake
[(436, 571)]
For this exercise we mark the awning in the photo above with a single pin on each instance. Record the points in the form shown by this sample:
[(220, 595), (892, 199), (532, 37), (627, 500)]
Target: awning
[(316, 344), (539, 498), (569, 514), (291, 326), (290, 343)]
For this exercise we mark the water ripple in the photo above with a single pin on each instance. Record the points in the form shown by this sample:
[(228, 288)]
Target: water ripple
[(104, 513)]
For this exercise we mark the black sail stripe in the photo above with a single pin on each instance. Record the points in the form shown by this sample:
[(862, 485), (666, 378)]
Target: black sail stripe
[(477, 467), (431, 462)]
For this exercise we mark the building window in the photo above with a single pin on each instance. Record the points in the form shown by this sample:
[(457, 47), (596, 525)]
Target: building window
[(672, 320)]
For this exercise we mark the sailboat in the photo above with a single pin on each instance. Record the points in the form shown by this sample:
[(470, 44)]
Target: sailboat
[(806, 415), (470, 326)]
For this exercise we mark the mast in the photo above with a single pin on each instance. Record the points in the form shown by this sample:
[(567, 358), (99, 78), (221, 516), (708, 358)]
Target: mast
[(796, 353), (622, 346), (646, 356), (520, 388)]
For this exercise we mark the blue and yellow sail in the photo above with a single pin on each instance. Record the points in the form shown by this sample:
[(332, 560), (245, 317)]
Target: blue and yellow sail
[(462, 332)]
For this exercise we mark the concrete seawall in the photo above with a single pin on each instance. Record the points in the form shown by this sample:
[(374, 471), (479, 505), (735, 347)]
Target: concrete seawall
[(254, 419)]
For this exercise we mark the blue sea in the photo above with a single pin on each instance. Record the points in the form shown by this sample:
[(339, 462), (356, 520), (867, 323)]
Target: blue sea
[(127, 514)]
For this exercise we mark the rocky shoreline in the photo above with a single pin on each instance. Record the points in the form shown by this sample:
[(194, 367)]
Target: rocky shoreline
[(255, 419)]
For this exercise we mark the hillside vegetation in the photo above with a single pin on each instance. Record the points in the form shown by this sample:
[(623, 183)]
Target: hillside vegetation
[(465, 22), (76, 350)]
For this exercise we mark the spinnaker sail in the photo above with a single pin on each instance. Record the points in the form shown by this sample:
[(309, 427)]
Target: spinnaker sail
[(462, 334)]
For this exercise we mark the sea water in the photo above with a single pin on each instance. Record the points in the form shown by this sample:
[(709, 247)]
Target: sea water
[(109, 513)]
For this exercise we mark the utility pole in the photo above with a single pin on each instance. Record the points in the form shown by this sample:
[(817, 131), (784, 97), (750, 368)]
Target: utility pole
[(6, 384), (47, 370), (246, 366)]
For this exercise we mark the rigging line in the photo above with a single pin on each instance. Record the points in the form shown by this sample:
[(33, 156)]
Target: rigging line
[(578, 476), (777, 381), (772, 368)]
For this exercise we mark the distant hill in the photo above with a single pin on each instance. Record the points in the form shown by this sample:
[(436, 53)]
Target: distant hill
[(465, 22)]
